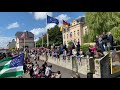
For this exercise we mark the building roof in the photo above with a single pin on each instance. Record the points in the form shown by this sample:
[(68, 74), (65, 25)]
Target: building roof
[(4, 49), (80, 20), (19, 34)]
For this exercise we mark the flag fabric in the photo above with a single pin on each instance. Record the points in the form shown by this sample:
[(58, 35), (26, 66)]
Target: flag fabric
[(52, 20), (66, 23), (12, 67), (61, 28), (23, 36), (65, 26)]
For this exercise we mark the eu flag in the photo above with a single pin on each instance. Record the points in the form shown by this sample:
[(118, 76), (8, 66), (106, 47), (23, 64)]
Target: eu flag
[(17, 61), (52, 20)]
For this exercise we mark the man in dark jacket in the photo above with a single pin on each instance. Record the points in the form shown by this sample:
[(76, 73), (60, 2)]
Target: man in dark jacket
[(110, 39), (31, 72), (64, 47), (73, 46), (44, 67), (78, 46), (104, 39), (97, 42)]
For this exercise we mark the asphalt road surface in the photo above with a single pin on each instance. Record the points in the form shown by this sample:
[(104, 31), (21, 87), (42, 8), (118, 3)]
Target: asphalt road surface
[(66, 73)]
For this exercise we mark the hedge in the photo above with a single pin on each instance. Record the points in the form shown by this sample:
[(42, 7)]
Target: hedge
[(117, 47), (84, 47)]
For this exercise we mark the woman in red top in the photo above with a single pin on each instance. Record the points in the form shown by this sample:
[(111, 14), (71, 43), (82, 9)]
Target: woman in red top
[(93, 48)]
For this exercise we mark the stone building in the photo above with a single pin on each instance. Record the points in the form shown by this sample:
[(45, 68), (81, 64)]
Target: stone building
[(12, 44), (29, 40), (75, 32)]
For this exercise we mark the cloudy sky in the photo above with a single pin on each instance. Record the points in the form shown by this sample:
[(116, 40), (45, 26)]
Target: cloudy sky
[(12, 22)]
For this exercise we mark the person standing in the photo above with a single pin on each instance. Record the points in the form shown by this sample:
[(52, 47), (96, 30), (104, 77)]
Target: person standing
[(78, 57), (110, 39), (104, 39), (48, 71), (31, 71), (64, 54), (44, 66), (46, 55), (97, 41), (78, 47), (64, 47), (73, 46), (101, 43)]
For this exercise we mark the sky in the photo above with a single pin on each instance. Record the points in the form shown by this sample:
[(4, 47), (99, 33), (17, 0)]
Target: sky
[(35, 22)]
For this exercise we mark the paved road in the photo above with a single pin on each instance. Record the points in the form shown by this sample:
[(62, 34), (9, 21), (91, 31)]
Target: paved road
[(66, 73)]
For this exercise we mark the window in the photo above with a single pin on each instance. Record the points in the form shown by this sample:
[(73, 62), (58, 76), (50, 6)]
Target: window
[(78, 32), (64, 30), (64, 36), (85, 31)]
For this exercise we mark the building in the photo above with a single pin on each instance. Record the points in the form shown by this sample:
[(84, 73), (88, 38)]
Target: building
[(29, 40), (2, 50), (12, 44), (75, 32)]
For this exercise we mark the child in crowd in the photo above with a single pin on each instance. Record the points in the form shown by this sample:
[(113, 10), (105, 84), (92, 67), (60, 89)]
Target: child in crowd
[(64, 54)]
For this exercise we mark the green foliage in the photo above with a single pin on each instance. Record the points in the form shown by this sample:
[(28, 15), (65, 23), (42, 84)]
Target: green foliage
[(116, 33), (84, 47), (117, 47), (55, 37), (70, 44), (99, 22), (87, 37)]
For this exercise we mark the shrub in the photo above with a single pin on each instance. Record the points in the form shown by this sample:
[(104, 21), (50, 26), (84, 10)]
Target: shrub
[(70, 44), (84, 47), (117, 47)]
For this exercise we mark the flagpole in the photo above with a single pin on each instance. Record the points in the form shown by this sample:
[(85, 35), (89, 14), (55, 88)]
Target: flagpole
[(24, 41), (47, 33), (35, 44), (35, 41), (42, 40)]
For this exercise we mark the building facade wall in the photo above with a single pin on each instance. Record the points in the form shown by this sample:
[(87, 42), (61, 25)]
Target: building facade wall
[(78, 30), (85, 30), (12, 44), (77, 34), (17, 43), (28, 42), (30, 45)]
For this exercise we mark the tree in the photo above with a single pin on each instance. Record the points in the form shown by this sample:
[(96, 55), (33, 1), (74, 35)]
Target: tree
[(70, 44), (99, 22), (116, 34), (55, 37)]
